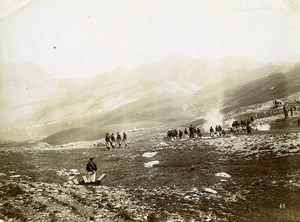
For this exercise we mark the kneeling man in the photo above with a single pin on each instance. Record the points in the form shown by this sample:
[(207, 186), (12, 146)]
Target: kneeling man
[(91, 169)]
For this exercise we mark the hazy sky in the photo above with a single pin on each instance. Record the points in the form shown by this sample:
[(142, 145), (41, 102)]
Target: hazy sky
[(94, 36)]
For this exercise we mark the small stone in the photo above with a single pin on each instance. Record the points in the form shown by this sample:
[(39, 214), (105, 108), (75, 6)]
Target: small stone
[(209, 190), (223, 174), (15, 176)]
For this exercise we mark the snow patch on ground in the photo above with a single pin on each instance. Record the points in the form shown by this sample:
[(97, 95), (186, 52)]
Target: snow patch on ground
[(169, 87), (112, 103), (194, 87), (149, 154), (161, 144), (172, 87), (151, 163), (263, 127), (209, 190), (223, 174)]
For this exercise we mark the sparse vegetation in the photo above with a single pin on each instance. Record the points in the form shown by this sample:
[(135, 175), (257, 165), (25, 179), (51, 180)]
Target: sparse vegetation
[(183, 186), (12, 212), (14, 190)]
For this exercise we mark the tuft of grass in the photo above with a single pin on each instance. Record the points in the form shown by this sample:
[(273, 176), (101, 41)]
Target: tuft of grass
[(14, 190), (10, 211), (125, 215), (53, 217)]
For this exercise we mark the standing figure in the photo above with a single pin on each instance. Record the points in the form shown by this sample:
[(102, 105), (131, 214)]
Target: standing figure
[(107, 141), (211, 130), (186, 134), (275, 103), (180, 134), (291, 110), (119, 139), (112, 140), (191, 129), (285, 112), (125, 139), (199, 134), (220, 129), (248, 127), (91, 169)]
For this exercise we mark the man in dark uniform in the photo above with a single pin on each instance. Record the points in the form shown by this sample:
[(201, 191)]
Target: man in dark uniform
[(248, 127), (211, 131), (180, 134), (125, 139), (191, 129), (186, 134), (112, 140), (119, 139), (107, 141), (91, 169), (285, 112)]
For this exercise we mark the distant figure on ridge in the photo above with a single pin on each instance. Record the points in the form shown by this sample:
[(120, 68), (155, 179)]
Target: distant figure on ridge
[(199, 134), (191, 129), (248, 127), (186, 134), (107, 141), (180, 134), (211, 131), (119, 139), (112, 140), (291, 110), (91, 169), (125, 139), (285, 112)]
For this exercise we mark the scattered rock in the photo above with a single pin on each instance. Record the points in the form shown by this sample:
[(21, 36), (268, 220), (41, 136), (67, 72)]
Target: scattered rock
[(223, 174), (74, 172), (282, 205), (162, 144), (151, 163), (149, 154), (15, 176), (209, 190)]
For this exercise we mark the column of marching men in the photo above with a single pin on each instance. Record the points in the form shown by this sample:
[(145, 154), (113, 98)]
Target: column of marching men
[(112, 141)]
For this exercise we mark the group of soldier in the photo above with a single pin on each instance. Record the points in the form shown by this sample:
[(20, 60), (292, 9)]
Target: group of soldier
[(243, 124), (111, 141), (191, 132), (287, 109), (218, 131)]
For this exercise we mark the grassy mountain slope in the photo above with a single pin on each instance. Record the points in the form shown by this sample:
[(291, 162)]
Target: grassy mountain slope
[(272, 87)]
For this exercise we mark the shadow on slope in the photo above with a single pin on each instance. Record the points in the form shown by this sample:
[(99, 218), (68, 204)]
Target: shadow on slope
[(74, 135), (272, 87)]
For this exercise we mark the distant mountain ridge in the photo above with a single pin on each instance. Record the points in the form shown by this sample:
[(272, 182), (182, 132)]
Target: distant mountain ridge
[(177, 88)]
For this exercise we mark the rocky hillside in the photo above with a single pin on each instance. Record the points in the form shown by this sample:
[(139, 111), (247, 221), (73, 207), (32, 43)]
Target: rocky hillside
[(232, 178)]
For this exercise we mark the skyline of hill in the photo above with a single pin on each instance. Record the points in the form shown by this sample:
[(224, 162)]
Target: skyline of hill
[(176, 89)]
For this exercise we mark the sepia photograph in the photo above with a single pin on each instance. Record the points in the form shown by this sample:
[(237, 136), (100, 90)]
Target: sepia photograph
[(150, 110)]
